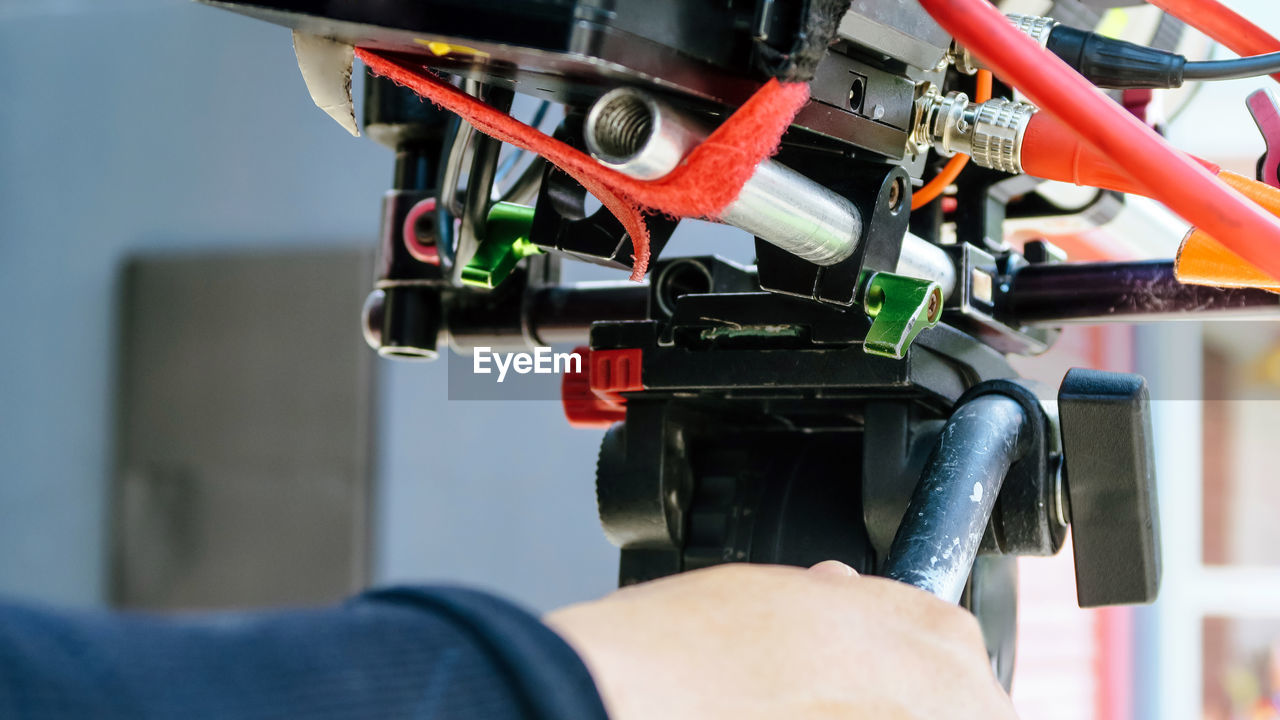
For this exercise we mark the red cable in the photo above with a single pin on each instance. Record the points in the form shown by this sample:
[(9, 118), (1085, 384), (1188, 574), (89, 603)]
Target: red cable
[(1170, 177), (1222, 24)]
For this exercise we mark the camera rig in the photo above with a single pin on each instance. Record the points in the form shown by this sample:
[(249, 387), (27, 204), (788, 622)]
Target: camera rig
[(847, 395)]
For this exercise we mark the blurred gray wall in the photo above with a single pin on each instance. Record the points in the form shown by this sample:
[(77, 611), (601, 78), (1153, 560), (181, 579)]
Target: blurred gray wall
[(137, 125)]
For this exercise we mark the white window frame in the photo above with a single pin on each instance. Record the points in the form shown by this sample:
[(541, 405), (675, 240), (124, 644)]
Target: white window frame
[(1172, 657)]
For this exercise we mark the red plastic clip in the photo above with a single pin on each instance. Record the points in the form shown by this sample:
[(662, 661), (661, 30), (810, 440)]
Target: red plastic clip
[(592, 396)]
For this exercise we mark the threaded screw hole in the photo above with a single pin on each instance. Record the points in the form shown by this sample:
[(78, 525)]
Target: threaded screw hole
[(623, 126)]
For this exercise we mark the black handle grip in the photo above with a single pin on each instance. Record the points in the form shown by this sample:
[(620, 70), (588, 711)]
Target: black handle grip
[(1111, 485)]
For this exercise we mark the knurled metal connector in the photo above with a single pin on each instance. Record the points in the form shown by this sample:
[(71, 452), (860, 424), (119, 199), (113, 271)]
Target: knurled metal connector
[(1036, 27), (991, 133), (1033, 26), (943, 125), (999, 127)]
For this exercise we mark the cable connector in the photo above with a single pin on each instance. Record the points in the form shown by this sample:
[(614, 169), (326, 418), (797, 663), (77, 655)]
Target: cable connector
[(990, 133), (1105, 62), (1110, 63), (1033, 26)]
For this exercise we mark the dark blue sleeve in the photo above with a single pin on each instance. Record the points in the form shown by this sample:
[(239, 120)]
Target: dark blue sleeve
[(425, 653)]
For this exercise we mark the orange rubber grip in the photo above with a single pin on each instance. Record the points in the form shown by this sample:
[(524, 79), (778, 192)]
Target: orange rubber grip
[(1050, 150), (1053, 151)]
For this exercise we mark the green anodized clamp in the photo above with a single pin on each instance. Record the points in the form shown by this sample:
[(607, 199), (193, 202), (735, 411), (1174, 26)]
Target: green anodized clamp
[(506, 243), (900, 308)]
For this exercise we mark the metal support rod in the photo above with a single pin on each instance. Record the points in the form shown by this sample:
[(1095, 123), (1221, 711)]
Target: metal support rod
[(548, 315), (924, 260), (938, 539), (1057, 294), (563, 314), (484, 166), (451, 172), (633, 133)]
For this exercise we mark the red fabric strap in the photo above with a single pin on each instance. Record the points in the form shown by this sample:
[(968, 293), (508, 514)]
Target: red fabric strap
[(708, 180)]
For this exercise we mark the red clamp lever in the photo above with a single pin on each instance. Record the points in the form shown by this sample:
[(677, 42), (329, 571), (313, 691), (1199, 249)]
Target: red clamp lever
[(1265, 110), (592, 396)]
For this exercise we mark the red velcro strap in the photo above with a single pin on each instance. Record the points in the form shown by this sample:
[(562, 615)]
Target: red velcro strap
[(708, 180)]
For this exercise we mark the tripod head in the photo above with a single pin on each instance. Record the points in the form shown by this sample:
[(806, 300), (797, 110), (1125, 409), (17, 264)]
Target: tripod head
[(847, 395)]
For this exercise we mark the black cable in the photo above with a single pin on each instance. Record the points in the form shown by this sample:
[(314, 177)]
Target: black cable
[(1234, 69), (1110, 63)]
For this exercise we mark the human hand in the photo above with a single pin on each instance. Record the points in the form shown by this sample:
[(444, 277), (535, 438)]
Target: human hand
[(756, 641)]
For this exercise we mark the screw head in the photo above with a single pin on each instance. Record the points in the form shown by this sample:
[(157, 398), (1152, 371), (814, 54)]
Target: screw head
[(895, 195), (934, 306)]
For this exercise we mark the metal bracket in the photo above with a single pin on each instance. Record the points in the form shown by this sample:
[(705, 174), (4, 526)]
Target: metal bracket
[(900, 308), (506, 243)]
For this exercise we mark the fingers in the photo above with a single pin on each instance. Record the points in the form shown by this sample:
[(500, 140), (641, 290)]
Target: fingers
[(833, 568)]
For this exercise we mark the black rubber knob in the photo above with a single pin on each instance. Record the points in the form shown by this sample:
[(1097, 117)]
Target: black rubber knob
[(1110, 477)]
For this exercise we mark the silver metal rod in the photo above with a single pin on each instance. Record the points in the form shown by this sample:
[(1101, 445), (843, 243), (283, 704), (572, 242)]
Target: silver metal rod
[(640, 136), (449, 194), (787, 209), (922, 259)]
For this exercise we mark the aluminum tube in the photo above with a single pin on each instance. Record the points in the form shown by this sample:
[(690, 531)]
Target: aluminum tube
[(452, 172), (938, 539), (636, 135), (484, 166), (633, 133), (1058, 294), (787, 209), (922, 259)]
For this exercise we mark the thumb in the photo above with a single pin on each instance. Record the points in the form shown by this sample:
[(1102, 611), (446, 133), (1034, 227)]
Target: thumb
[(833, 568)]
